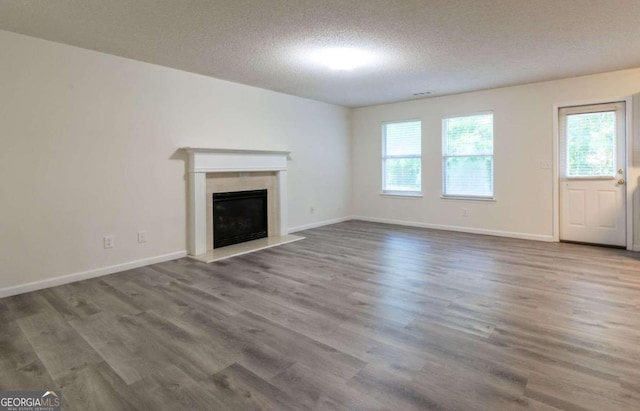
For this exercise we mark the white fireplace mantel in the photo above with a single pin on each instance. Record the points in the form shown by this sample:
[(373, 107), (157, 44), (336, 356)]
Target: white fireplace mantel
[(213, 160)]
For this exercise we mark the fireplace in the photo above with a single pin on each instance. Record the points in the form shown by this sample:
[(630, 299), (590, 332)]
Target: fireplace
[(218, 170), (239, 216)]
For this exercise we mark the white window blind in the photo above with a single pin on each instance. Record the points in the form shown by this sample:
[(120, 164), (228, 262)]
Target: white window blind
[(591, 144), (401, 157), (468, 156)]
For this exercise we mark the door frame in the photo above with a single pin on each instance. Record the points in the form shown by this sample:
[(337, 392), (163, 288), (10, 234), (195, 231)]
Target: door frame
[(631, 181)]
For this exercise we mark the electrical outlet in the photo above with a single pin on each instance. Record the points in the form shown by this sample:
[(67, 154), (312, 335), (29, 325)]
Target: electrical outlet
[(109, 241), (465, 212), (142, 237)]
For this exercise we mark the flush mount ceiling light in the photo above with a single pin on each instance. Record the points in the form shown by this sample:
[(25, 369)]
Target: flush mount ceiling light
[(343, 58)]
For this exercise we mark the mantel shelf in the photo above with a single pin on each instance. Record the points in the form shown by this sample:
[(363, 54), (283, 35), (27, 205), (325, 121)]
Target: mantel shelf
[(233, 150), (222, 160)]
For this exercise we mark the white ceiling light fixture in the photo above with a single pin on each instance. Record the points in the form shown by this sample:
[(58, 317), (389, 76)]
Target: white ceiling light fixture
[(343, 58)]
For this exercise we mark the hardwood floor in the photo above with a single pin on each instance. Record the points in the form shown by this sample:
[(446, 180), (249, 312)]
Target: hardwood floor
[(358, 316)]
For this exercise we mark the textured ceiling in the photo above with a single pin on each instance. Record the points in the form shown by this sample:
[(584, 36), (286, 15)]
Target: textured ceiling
[(442, 46)]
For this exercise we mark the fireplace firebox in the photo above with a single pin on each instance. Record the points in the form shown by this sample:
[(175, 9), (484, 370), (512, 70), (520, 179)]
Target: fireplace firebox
[(239, 216)]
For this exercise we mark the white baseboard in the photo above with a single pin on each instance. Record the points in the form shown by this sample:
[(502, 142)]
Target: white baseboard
[(635, 247), (84, 275), (498, 233), (319, 224)]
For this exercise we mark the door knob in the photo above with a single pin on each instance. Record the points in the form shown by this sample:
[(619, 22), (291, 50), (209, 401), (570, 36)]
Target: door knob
[(620, 171), (621, 181)]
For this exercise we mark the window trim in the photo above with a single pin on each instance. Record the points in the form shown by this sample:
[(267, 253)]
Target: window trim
[(399, 193), (445, 157)]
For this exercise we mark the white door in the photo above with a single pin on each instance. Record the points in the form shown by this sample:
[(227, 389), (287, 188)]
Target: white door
[(592, 174)]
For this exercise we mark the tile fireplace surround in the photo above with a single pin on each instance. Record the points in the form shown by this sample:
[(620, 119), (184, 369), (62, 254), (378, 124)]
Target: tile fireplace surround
[(211, 160)]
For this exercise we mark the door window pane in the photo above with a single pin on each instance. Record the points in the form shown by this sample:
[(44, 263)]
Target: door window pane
[(591, 144)]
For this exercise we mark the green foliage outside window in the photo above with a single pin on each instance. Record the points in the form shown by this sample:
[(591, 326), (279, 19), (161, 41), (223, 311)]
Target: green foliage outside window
[(471, 135), (591, 144), (403, 174), (402, 150), (468, 155)]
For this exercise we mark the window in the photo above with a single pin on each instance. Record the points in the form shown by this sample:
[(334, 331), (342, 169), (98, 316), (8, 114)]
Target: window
[(591, 144), (468, 156), (401, 157)]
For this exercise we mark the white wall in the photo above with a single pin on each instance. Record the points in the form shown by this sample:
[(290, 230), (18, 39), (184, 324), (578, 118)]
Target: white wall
[(88, 148), (523, 135)]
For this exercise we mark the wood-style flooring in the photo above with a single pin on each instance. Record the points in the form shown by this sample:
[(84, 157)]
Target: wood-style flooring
[(358, 316)]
